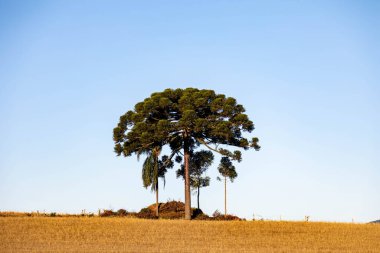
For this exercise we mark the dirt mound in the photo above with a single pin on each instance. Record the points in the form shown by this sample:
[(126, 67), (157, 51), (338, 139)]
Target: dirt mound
[(176, 210), (172, 206), (168, 210)]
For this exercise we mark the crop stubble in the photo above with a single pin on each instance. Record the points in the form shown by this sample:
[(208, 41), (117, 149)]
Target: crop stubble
[(94, 234)]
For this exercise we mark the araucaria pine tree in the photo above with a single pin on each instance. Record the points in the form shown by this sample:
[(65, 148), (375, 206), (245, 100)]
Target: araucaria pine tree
[(227, 170), (185, 119)]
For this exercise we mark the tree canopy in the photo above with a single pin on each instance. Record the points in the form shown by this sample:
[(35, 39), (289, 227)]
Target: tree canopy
[(227, 169)]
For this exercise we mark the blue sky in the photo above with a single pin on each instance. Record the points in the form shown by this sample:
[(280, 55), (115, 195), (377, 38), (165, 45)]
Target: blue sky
[(307, 73)]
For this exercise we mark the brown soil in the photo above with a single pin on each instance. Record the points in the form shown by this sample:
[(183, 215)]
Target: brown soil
[(176, 210)]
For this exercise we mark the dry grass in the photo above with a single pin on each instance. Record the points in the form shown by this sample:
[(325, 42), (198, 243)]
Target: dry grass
[(84, 234)]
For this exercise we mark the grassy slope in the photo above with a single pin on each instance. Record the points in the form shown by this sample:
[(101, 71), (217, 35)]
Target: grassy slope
[(74, 234)]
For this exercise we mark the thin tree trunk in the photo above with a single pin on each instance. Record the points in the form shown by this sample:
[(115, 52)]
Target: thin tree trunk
[(225, 196), (157, 213), (156, 186), (187, 179), (198, 197)]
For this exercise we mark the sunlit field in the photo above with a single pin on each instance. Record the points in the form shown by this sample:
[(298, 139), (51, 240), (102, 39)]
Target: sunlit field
[(94, 234)]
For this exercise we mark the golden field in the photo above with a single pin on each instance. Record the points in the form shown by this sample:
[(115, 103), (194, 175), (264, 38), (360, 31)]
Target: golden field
[(95, 234)]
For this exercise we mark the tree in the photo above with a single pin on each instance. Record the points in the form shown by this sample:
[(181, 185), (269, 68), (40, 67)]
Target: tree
[(227, 170), (199, 162), (152, 169), (185, 119)]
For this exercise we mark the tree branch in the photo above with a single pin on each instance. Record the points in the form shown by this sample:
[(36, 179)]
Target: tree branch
[(208, 146)]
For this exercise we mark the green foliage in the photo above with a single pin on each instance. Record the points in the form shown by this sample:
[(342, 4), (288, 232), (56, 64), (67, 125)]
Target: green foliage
[(199, 163), (227, 169), (153, 168), (168, 117)]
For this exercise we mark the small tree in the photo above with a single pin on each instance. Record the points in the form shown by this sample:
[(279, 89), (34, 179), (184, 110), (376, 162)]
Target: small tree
[(152, 169), (227, 170), (199, 162)]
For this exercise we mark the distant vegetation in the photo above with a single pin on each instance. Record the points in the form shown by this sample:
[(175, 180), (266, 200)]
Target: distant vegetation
[(43, 214), (170, 210)]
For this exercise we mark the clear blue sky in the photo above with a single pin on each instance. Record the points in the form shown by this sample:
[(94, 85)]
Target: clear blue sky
[(307, 72)]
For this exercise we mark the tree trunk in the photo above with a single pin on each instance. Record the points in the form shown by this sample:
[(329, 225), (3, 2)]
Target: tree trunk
[(198, 197), (187, 179), (157, 213), (225, 196)]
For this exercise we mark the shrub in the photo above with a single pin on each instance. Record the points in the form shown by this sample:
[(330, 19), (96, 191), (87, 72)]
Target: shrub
[(196, 212), (216, 213), (146, 215), (202, 216), (107, 213), (122, 212), (145, 210)]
